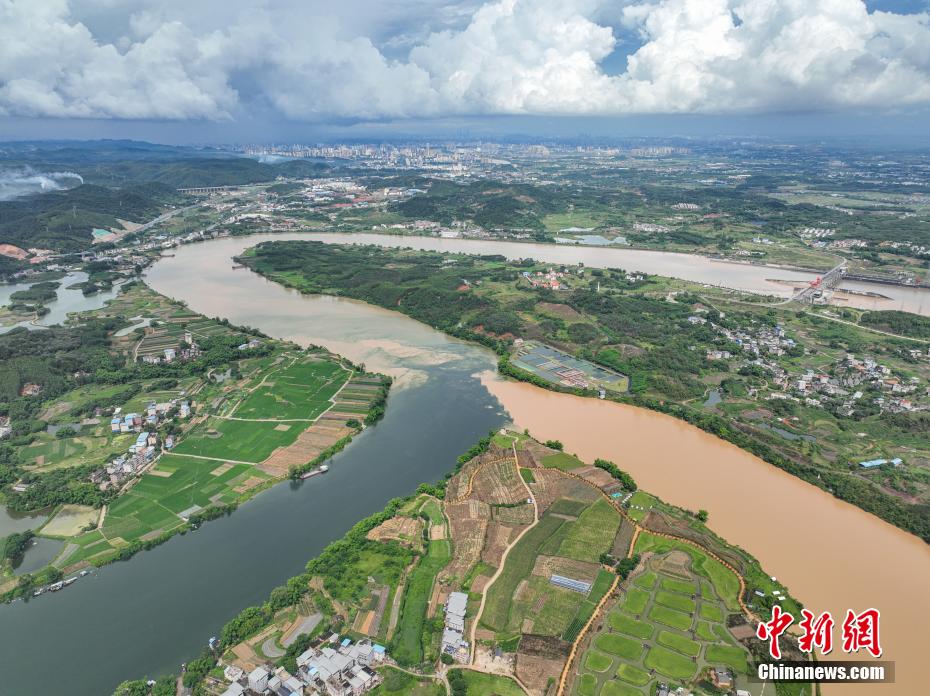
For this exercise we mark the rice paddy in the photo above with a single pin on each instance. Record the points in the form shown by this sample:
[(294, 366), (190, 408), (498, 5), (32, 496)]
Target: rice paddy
[(658, 631)]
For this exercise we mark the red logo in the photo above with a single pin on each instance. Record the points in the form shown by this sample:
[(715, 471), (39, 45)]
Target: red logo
[(860, 631), (771, 630), (818, 632)]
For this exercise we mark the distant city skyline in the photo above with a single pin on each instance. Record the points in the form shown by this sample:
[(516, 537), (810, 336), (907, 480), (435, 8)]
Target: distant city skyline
[(240, 71)]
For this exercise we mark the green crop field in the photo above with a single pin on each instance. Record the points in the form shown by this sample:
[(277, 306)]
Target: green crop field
[(302, 390), (670, 617), (634, 675), (567, 506), (675, 601), (724, 580), (679, 643), (560, 608), (621, 646), (616, 688), (670, 663), (154, 504), (412, 640), (587, 685), (432, 510), (593, 533), (597, 662), (658, 644), (679, 586), (705, 632), (481, 684), (243, 441), (520, 562), (630, 626), (561, 460), (729, 655), (711, 612), (635, 601)]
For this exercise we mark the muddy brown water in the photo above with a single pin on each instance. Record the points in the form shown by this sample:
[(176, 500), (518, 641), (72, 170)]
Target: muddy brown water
[(158, 609), (831, 555)]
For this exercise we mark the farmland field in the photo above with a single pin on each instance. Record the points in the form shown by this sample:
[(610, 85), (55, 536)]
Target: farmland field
[(593, 533), (242, 441), (299, 391), (413, 640), (518, 566), (648, 634), (154, 505)]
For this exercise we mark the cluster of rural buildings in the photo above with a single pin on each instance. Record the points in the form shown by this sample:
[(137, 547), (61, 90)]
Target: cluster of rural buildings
[(453, 632), (759, 341), (141, 453), (915, 249), (332, 669), (841, 386), (851, 380), (190, 352), (456, 229), (650, 227), (551, 279)]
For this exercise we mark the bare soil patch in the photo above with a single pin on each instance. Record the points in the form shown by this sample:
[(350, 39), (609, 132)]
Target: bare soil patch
[(305, 448), (248, 484), (405, 530), (70, 519), (538, 658), (562, 311), (546, 566)]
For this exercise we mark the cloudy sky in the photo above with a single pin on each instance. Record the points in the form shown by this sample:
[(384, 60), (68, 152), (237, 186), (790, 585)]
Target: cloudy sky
[(265, 70)]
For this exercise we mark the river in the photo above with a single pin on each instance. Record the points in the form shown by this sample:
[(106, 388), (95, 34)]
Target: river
[(693, 267), (69, 300), (148, 615)]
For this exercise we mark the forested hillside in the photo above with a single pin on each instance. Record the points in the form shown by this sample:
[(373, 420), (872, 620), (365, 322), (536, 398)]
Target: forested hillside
[(122, 181)]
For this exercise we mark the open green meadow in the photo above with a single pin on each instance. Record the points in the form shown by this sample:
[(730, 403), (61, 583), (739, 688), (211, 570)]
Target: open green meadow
[(397, 683), (562, 461), (481, 684)]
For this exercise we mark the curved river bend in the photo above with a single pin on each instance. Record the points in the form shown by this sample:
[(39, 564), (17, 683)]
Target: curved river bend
[(148, 615), (691, 267)]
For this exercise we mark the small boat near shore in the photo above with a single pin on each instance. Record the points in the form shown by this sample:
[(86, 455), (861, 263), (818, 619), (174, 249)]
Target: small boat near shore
[(322, 470)]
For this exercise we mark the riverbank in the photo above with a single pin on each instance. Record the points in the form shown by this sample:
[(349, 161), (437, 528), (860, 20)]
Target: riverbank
[(658, 334), (422, 548), (831, 554), (247, 413)]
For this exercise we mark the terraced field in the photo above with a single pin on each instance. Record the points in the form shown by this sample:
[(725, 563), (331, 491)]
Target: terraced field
[(667, 627)]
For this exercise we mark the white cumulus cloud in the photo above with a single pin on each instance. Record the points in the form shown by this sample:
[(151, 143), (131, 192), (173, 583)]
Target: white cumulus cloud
[(309, 60)]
